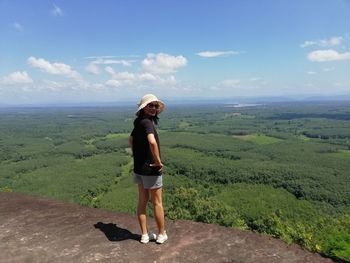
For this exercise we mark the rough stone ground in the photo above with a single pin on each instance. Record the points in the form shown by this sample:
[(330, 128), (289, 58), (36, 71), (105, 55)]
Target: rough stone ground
[(36, 230)]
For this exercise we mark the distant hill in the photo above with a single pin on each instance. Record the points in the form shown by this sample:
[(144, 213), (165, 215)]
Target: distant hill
[(190, 101)]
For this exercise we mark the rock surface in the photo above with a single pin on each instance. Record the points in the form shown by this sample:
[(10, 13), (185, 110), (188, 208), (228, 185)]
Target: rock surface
[(34, 229)]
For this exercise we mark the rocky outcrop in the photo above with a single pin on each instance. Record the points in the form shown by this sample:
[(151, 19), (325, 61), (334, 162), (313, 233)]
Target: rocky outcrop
[(34, 229)]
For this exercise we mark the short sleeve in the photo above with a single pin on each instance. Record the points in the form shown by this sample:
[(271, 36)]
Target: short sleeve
[(148, 126)]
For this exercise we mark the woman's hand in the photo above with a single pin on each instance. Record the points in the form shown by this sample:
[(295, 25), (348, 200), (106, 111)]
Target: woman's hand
[(156, 164)]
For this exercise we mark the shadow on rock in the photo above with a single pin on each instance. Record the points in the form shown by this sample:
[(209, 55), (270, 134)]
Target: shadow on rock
[(115, 233)]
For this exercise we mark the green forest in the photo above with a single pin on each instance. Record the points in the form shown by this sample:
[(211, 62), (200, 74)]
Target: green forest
[(280, 169)]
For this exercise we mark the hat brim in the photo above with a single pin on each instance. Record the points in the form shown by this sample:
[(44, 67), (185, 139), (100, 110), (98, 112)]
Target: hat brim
[(160, 103)]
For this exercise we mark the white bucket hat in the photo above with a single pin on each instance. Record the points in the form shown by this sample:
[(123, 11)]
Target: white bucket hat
[(148, 98)]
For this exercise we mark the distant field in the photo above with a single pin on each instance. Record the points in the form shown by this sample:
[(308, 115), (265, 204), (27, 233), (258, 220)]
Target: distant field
[(258, 138), (184, 124), (303, 137), (117, 135), (342, 154)]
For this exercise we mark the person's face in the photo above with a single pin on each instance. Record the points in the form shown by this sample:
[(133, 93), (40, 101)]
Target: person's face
[(151, 108)]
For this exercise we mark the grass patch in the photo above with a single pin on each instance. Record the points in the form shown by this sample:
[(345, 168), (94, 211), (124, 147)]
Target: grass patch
[(303, 137), (117, 135), (184, 125), (258, 138), (342, 154), (89, 141)]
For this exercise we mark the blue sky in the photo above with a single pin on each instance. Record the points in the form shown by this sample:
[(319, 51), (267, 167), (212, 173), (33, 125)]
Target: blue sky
[(96, 51)]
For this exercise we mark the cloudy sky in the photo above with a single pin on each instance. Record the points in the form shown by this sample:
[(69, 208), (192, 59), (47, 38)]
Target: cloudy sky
[(112, 50)]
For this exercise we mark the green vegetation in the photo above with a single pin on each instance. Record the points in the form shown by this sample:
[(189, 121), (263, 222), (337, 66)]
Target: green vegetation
[(278, 169), (259, 139)]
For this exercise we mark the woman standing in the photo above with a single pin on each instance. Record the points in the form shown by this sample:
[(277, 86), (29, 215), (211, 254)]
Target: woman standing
[(148, 165)]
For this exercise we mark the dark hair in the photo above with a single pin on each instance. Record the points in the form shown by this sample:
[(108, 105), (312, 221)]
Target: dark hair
[(141, 114)]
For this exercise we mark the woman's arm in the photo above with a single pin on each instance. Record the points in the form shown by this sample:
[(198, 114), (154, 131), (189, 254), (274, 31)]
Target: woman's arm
[(130, 144), (155, 151)]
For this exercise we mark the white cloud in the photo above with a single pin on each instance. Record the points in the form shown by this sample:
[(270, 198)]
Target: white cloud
[(113, 83), (101, 61), (231, 83), (147, 77), (98, 57), (167, 81), (257, 82), (54, 68), (94, 69), (57, 86), (110, 57), (53, 85), (56, 10), (111, 71), (327, 55), (120, 75), (329, 69), (156, 72), (132, 79), (338, 84), (121, 78), (163, 63), (100, 87), (311, 73), (333, 41), (18, 27), (17, 78), (123, 62), (255, 79), (212, 54), (126, 76), (308, 43)]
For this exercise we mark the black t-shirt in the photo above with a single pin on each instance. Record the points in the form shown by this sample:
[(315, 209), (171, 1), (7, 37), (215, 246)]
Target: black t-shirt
[(141, 148)]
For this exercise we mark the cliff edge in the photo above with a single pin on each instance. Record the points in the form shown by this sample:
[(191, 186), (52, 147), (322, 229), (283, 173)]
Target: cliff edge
[(34, 229)]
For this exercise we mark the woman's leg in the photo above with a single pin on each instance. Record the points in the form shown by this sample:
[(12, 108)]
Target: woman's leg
[(156, 196), (141, 208)]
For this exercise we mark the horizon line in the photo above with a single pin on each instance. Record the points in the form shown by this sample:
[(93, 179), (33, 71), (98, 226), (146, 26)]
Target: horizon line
[(188, 100)]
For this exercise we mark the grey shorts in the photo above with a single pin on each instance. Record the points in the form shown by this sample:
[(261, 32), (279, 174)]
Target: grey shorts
[(149, 181)]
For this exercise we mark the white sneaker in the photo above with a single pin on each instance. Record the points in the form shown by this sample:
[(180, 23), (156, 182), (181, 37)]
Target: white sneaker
[(147, 237), (162, 238)]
